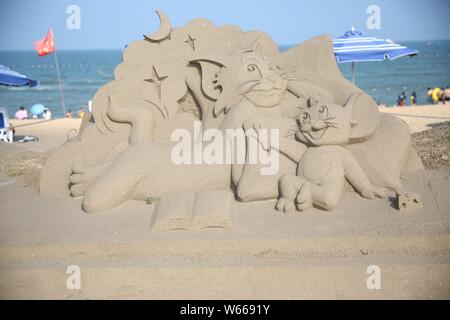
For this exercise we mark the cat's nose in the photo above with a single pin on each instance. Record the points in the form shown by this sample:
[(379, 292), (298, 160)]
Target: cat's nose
[(278, 82), (265, 85), (318, 125), (305, 127)]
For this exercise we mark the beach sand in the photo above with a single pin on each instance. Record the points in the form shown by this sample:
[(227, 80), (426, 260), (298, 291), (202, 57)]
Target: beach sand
[(50, 133), (420, 118), (267, 255)]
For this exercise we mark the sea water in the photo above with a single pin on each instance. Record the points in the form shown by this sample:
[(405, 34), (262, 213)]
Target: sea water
[(84, 72)]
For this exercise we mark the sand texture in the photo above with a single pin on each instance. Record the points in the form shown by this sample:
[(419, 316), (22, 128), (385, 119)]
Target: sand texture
[(421, 118), (50, 133)]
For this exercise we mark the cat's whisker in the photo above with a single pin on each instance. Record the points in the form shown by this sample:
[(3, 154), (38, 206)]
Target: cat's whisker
[(293, 128), (292, 78), (290, 69), (256, 83), (289, 135), (331, 124)]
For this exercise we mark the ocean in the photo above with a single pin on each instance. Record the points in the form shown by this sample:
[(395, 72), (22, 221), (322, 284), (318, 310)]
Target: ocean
[(84, 72)]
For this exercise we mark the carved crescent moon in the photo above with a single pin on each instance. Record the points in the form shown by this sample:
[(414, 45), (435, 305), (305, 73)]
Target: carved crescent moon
[(164, 31)]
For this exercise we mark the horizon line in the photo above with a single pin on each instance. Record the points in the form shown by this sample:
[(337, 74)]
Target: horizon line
[(116, 48)]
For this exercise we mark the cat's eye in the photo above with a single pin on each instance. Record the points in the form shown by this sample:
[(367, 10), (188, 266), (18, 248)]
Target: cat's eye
[(252, 67), (305, 116), (323, 113)]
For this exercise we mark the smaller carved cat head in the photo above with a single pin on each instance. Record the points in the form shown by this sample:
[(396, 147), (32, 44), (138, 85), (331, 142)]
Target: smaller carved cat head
[(326, 123)]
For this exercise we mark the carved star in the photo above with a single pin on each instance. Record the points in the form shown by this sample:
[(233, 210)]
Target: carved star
[(157, 80), (191, 41)]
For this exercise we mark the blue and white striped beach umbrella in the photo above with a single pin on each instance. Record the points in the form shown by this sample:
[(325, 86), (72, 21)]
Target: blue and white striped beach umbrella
[(353, 47), (15, 79)]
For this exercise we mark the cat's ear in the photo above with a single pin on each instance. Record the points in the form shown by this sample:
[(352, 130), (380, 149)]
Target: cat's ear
[(349, 107), (258, 48), (255, 47), (312, 102), (210, 66), (349, 104)]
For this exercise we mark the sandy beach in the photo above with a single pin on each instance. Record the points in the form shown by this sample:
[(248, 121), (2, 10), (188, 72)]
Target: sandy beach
[(420, 118), (50, 133), (319, 255)]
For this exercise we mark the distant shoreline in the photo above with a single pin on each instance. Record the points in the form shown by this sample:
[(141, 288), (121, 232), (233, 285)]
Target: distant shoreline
[(279, 45)]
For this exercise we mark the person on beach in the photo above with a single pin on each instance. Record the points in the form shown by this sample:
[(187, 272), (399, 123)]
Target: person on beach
[(413, 98), (46, 115), (81, 113), (435, 95), (429, 94), (21, 114), (447, 94), (442, 96), (69, 114), (401, 100)]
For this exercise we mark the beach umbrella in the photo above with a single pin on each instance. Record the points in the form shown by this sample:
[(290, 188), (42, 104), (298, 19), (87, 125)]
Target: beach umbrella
[(37, 109), (12, 78), (354, 47)]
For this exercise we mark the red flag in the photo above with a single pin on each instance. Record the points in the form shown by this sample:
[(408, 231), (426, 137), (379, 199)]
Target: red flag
[(46, 45)]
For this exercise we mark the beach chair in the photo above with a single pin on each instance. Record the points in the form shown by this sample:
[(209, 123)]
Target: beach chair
[(6, 134)]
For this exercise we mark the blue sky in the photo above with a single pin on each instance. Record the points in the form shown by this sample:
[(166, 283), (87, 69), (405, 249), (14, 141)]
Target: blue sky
[(107, 24)]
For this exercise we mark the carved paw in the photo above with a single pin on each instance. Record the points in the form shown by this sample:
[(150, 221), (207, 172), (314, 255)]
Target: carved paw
[(255, 124), (285, 205), (303, 200), (258, 124), (380, 192), (80, 179), (367, 193)]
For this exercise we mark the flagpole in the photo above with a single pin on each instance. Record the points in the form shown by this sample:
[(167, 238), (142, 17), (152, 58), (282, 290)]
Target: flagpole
[(60, 84), (353, 72)]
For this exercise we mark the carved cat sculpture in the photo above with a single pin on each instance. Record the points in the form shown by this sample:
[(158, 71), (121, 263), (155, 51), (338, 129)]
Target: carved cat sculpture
[(323, 163), (252, 85), (252, 88)]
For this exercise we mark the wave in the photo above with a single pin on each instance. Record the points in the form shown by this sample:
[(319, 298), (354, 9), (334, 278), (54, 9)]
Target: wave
[(16, 88)]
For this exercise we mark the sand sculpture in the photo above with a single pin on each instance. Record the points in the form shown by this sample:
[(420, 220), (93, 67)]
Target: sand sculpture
[(323, 162), (330, 131)]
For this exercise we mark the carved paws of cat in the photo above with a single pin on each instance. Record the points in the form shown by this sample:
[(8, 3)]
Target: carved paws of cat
[(255, 124), (378, 192), (258, 124), (285, 205), (303, 200), (80, 178)]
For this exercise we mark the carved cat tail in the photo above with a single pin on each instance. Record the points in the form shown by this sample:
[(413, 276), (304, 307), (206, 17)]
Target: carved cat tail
[(140, 118)]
